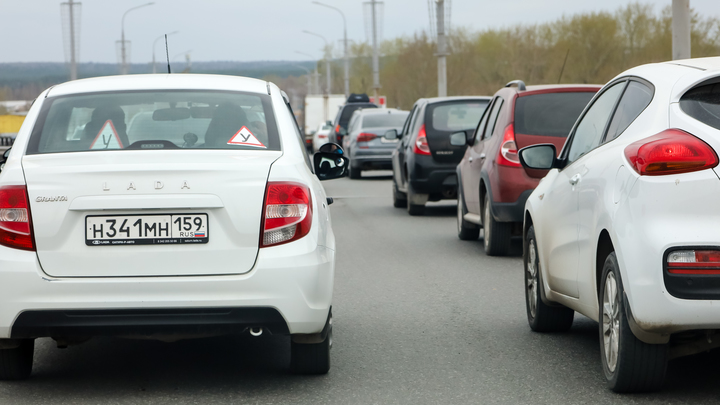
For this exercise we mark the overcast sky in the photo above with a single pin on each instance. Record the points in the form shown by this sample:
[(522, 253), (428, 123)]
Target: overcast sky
[(251, 30)]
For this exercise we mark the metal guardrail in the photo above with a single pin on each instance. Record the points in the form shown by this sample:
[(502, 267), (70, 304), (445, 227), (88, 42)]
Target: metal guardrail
[(7, 140)]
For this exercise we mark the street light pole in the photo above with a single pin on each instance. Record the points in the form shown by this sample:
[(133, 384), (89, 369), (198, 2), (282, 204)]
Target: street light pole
[(681, 29), (327, 61), (155, 45), (345, 47), (441, 49), (316, 75), (307, 71), (123, 52)]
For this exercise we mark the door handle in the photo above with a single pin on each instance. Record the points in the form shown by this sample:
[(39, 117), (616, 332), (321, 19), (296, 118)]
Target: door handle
[(482, 156), (575, 179), (470, 159)]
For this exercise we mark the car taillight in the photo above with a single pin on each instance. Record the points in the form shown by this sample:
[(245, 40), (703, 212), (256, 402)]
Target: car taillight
[(287, 213), (508, 155), (15, 227), (365, 137), (694, 262), (672, 151), (337, 129), (421, 145), (322, 136)]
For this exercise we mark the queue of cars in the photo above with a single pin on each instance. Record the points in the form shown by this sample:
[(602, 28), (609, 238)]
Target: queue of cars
[(611, 189)]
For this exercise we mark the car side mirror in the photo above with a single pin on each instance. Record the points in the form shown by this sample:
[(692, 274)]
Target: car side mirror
[(458, 138), (391, 135), (538, 159), (4, 158), (330, 162)]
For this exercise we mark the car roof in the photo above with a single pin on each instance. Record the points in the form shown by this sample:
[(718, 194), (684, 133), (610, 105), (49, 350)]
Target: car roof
[(160, 82), (456, 98), (370, 111), (711, 63)]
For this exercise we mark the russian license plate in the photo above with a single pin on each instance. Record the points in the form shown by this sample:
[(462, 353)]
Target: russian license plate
[(146, 229)]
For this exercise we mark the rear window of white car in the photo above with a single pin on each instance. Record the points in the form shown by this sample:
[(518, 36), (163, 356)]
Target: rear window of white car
[(703, 104), (138, 120)]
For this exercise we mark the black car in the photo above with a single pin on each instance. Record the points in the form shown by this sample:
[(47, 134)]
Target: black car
[(354, 102), (432, 143)]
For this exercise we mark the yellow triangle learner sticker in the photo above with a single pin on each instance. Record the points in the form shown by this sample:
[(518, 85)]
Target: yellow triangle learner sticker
[(107, 138), (246, 138)]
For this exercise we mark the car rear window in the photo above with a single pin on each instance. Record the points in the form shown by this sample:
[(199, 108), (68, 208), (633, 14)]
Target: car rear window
[(456, 115), (549, 114), (155, 120), (384, 120), (703, 104), (348, 111)]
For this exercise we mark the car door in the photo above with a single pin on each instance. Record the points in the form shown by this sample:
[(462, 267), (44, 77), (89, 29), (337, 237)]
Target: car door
[(476, 158), (600, 168), (561, 201), (398, 157)]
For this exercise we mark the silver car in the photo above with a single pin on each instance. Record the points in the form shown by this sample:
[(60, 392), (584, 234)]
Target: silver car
[(365, 145)]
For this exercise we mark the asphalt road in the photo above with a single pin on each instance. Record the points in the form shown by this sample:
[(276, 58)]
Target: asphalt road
[(419, 317)]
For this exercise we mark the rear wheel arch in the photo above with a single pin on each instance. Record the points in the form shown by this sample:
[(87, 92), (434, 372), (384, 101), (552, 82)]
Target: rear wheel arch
[(604, 248)]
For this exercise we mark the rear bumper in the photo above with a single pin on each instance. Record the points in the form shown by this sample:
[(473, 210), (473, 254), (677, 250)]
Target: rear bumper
[(428, 177), (368, 159), (289, 290)]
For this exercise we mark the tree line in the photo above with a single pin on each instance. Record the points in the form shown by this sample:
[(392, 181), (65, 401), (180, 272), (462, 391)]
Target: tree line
[(582, 48)]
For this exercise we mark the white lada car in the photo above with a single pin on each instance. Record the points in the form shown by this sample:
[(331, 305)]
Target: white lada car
[(625, 226), (165, 207)]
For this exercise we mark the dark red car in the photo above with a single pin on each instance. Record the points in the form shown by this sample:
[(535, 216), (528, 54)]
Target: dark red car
[(493, 186)]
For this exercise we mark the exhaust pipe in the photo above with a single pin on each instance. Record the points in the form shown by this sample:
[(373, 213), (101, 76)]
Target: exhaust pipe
[(256, 331)]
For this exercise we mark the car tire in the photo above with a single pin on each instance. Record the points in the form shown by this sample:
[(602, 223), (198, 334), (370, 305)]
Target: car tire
[(497, 234), (399, 198), (413, 209), (355, 173), (629, 364), (312, 358), (16, 364), (466, 230), (541, 317)]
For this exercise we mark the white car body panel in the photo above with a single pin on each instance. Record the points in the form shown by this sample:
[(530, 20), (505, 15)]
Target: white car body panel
[(642, 215), (295, 278)]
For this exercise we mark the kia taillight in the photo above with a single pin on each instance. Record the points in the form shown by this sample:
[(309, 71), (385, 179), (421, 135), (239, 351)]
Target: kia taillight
[(421, 145), (287, 214), (508, 155), (365, 137), (15, 227), (672, 151), (694, 262)]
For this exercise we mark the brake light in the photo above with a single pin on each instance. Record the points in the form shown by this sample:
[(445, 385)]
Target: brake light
[(287, 213), (15, 227), (508, 155), (421, 145), (672, 151), (365, 137), (694, 262), (337, 129)]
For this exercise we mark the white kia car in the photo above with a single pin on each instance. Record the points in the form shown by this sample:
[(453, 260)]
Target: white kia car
[(624, 226), (165, 207)]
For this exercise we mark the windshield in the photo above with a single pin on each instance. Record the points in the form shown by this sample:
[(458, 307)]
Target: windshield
[(457, 116), (549, 114), (349, 109), (384, 120), (155, 120)]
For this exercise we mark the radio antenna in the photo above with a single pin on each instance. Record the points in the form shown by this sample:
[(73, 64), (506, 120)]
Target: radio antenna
[(167, 54)]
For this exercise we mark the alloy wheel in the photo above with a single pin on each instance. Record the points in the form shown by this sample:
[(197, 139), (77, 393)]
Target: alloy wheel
[(531, 278), (611, 321)]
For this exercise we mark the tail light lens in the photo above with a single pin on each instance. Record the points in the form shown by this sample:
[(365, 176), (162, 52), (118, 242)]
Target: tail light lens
[(421, 145), (15, 227), (337, 129), (672, 151), (287, 214), (508, 155), (694, 262), (365, 137)]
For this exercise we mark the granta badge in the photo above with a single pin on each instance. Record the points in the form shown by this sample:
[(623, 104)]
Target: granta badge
[(58, 198)]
